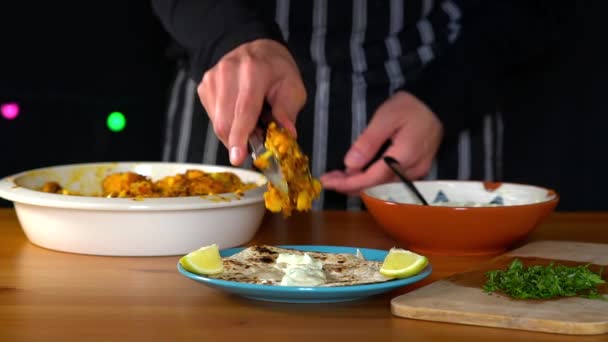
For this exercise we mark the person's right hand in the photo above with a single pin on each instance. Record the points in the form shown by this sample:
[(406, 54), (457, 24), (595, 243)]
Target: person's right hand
[(233, 92)]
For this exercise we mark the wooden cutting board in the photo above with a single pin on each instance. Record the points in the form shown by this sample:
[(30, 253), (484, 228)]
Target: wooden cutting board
[(460, 298)]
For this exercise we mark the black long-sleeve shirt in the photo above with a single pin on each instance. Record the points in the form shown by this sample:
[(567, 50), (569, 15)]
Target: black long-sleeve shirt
[(354, 54), (489, 36)]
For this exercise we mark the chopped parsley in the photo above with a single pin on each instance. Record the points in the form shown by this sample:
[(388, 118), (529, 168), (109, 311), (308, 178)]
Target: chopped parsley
[(544, 282)]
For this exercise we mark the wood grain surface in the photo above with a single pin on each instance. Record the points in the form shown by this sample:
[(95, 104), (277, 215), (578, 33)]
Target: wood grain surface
[(460, 298), (47, 295)]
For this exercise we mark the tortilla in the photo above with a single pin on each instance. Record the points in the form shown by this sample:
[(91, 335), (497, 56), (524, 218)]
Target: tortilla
[(256, 265)]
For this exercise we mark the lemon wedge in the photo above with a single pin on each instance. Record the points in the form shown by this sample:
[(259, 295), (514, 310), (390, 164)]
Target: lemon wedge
[(204, 261), (401, 263)]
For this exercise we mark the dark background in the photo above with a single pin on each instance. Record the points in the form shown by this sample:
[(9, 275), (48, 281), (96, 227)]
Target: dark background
[(69, 64), (555, 112)]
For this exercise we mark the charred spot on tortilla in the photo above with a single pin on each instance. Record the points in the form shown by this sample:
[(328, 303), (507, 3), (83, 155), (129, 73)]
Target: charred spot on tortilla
[(234, 263), (262, 249), (266, 259)]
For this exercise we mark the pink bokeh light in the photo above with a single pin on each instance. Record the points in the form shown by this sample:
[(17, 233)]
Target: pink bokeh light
[(9, 110)]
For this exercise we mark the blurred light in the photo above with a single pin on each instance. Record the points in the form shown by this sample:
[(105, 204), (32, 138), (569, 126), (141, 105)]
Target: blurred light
[(9, 110), (116, 122)]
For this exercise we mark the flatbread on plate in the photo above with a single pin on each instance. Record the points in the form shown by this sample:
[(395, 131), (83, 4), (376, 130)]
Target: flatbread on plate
[(256, 265)]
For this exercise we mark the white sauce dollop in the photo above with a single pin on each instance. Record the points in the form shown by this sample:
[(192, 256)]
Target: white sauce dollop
[(300, 270)]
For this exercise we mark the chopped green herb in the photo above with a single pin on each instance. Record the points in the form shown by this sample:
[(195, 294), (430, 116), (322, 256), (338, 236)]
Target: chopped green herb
[(544, 282)]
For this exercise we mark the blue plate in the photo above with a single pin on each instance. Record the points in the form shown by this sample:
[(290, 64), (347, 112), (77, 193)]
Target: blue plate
[(297, 294)]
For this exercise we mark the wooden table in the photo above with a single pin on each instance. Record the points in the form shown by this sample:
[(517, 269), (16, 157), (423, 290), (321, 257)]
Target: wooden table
[(49, 295)]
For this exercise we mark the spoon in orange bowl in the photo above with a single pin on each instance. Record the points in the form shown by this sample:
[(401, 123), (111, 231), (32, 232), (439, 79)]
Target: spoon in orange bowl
[(392, 164)]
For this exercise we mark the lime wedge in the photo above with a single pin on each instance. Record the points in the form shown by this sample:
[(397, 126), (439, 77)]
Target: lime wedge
[(401, 263), (204, 261)]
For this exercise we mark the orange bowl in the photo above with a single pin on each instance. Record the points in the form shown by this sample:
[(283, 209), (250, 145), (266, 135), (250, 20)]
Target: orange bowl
[(462, 218)]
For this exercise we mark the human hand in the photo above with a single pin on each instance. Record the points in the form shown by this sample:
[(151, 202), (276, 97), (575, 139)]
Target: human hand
[(234, 90), (415, 132)]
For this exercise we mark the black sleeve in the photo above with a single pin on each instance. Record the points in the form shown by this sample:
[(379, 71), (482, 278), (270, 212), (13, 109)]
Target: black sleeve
[(208, 29), (463, 84)]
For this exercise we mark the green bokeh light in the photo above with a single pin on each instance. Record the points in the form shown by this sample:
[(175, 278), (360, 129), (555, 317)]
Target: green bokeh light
[(116, 122)]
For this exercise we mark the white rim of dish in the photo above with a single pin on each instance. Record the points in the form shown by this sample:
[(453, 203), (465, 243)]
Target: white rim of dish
[(551, 194), (18, 194)]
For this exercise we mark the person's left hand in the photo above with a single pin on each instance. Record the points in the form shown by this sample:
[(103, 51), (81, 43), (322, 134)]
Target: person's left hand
[(415, 132)]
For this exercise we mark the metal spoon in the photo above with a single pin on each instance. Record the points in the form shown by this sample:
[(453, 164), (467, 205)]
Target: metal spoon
[(273, 172), (391, 162)]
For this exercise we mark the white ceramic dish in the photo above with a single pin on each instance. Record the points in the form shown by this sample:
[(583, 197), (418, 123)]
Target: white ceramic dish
[(128, 227)]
